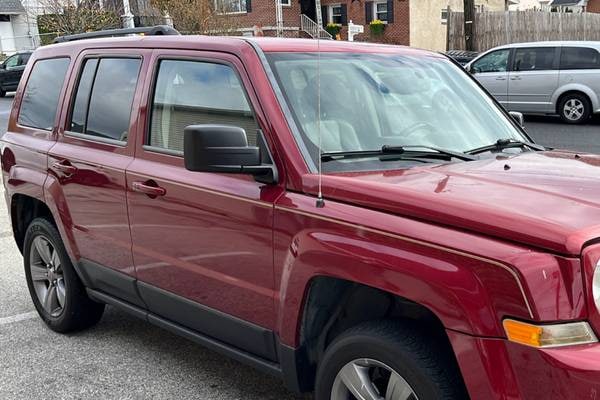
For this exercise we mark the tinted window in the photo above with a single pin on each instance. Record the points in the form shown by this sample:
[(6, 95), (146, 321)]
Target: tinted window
[(109, 106), (11, 62), (496, 61), (189, 93), (24, 58), (80, 107), (534, 59), (579, 58), (40, 99)]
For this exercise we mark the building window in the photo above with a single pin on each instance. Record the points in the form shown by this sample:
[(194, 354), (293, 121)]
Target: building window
[(380, 10), (230, 6), (286, 3), (335, 14)]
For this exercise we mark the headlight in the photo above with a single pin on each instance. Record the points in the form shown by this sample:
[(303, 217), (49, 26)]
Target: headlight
[(596, 285), (544, 336)]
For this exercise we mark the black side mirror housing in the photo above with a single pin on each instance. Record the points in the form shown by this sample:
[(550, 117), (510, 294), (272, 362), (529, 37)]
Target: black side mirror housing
[(221, 148)]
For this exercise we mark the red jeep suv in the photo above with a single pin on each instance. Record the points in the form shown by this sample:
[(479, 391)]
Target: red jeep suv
[(363, 221)]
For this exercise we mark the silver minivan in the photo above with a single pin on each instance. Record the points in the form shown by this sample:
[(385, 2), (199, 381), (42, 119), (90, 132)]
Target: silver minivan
[(543, 78)]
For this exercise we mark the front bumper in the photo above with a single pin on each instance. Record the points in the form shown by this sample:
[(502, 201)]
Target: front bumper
[(499, 369)]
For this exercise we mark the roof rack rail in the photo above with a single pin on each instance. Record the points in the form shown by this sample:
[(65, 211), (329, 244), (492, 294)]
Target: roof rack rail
[(146, 30)]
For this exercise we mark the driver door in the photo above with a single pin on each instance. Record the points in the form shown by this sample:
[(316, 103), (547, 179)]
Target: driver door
[(491, 71)]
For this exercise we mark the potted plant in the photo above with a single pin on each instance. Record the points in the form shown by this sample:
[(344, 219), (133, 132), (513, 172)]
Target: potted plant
[(333, 29), (377, 26)]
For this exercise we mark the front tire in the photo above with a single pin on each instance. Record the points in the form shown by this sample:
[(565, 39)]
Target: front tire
[(57, 292), (574, 108), (389, 360)]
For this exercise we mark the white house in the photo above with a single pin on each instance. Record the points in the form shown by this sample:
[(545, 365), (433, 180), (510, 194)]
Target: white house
[(18, 28), (520, 5)]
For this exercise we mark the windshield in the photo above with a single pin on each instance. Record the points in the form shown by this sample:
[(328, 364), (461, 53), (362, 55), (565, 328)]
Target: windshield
[(373, 100)]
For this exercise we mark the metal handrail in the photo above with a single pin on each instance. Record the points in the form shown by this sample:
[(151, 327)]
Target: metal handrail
[(313, 29)]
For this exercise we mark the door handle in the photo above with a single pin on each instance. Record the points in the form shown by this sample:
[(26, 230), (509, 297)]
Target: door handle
[(500, 78), (149, 188), (515, 78), (65, 167)]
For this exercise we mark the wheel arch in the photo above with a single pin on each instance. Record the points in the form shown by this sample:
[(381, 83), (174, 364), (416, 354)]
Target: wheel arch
[(575, 89)]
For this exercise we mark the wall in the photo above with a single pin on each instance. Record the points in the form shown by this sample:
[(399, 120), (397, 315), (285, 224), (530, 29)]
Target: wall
[(397, 32), (7, 41), (593, 6), (427, 30), (263, 14)]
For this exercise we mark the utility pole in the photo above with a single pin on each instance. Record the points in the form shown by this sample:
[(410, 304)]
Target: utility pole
[(469, 13), (127, 16)]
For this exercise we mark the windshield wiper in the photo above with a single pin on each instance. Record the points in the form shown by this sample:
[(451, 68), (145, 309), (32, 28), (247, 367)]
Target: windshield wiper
[(502, 144), (399, 150)]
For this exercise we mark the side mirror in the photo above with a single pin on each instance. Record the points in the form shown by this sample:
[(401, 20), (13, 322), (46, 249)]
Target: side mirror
[(221, 148), (518, 117)]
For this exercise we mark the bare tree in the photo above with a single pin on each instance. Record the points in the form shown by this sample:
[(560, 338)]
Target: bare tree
[(197, 16), (65, 17)]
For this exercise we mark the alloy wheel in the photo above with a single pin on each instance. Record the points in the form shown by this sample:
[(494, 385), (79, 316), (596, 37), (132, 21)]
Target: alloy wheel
[(573, 109), (47, 276), (368, 379)]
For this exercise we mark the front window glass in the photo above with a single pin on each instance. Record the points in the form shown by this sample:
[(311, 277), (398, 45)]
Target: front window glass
[(496, 61), (372, 100), (193, 93)]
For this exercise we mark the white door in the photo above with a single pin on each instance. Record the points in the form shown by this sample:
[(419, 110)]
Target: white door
[(533, 80)]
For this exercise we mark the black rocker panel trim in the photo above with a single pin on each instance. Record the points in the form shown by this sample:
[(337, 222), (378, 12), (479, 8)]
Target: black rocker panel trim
[(223, 327), (107, 280), (210, 343)]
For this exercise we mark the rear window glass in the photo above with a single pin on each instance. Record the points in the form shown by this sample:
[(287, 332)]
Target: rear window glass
[(579, 58), (104, 98), (41, 96), (534, 59)]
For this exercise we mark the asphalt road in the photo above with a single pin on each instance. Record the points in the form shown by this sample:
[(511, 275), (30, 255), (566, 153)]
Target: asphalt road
[(125, 358)]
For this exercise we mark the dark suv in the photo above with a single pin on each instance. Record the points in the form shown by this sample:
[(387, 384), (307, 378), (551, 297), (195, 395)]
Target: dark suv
[(11, 71), (360, 220)]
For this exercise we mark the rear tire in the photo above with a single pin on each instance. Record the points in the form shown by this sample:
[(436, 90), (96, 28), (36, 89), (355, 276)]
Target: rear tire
[(57, 292), (391, 360), (574, 108)]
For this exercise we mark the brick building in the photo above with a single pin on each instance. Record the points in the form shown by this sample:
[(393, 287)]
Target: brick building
[(417, 23)]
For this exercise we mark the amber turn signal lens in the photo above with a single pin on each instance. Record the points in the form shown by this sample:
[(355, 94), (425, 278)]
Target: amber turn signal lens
[(549, 335)]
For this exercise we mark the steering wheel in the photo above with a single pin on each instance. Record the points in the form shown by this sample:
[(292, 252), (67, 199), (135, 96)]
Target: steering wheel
[(417, 132)]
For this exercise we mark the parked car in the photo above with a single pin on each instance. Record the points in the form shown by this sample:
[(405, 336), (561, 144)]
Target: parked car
[(398, 235), (11, 71), (462, 57), (543, 78)]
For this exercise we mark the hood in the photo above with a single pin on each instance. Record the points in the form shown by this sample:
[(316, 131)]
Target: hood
[(549, 200)]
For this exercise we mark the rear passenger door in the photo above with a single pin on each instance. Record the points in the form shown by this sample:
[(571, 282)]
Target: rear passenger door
[(89, 161), (533, 79), (202, 241)]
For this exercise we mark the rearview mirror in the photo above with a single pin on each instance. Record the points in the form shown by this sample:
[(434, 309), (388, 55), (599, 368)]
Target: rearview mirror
[(518, 117), (221, 148)]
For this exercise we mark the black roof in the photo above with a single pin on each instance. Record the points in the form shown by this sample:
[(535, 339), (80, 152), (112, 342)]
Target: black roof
[(565, 2)]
